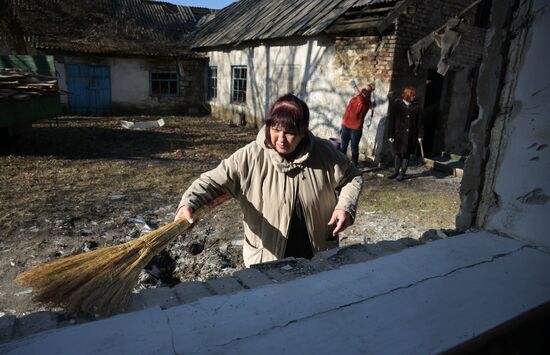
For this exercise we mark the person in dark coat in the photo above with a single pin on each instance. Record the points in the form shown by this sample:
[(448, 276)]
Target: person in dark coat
[(405, 127)]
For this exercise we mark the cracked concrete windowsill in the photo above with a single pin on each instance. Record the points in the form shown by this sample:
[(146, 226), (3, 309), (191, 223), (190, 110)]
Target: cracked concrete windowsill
[(425, 299)]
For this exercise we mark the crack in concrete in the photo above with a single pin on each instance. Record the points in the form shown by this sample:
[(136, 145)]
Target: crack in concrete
[(541, 90), (266, 331), (172, 336), (225, 301), (542, 249)]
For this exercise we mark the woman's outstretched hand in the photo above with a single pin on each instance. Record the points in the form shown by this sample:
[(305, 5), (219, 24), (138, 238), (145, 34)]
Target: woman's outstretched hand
[(185, 212), (341, 218)]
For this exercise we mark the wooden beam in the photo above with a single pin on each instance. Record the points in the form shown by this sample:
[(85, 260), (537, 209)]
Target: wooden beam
[(369, 10), (356, 20), (340, 28)]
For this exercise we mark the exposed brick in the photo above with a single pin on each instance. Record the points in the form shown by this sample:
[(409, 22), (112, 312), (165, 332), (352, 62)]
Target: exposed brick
[(224, 285), (252, 278), (187, 292), (281, 274), (163, 297)]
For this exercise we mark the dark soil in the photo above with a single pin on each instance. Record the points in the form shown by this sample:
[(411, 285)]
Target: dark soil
[(89, 183)]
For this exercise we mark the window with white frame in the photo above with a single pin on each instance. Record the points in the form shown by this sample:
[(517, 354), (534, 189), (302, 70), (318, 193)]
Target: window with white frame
[(164, 83), (212, 82), (238, 79)]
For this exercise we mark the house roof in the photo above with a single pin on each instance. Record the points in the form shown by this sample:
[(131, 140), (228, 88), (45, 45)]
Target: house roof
[(248, 20), (371, 2), (253, 20), (107, 26)]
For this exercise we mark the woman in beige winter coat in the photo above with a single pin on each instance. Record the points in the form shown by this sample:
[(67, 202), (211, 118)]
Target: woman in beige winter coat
[(296, 191)]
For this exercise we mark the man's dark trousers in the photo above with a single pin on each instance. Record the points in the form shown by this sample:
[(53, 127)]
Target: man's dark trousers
[(353, 135)]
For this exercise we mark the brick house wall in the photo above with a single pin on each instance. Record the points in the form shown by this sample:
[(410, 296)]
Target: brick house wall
[(455, 109)]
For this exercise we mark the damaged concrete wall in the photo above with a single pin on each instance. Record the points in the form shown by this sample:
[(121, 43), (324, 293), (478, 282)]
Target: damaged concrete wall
[(319, 71), (506, 186), (130, 83)]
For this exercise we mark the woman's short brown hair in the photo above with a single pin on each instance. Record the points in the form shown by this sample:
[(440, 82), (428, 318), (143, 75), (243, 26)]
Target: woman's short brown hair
[(289, 112), (408, 93)]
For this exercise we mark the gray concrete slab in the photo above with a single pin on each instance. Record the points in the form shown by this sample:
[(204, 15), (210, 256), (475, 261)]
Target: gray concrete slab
[(223, 285), (410, 302), (163, 297), (191, 291), (429, 317), (35, 322), (252, 278), (7, 327)]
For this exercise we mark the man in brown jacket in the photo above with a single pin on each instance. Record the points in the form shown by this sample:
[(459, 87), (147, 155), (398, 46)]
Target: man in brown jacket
[(296, 191)]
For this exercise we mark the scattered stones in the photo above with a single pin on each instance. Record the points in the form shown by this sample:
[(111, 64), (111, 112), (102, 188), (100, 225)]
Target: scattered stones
[(26, 292), (89, 245), (85, 232)]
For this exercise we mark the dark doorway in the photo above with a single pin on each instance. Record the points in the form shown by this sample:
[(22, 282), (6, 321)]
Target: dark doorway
[(432, 112)]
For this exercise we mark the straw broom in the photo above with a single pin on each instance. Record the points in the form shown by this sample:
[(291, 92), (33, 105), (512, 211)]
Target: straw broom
[(100, 282)]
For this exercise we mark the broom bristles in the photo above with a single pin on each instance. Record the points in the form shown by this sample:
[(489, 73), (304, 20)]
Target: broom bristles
[(99, 282)]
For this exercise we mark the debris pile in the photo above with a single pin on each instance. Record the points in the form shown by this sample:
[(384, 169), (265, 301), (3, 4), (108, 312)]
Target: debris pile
[(19, 84)]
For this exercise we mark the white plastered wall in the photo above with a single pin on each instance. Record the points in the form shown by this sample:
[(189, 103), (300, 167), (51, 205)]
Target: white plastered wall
[(307, 70), (129, 78)]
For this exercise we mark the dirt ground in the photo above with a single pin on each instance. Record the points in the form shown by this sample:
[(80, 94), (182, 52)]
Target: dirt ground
[(87, 183)]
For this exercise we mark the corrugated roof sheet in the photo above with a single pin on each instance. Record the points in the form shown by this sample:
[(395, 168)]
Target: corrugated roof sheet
[(372, 2), (248, 20), (108, 26)]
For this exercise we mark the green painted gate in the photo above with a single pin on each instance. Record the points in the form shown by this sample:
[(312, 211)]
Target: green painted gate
[(15, 113)]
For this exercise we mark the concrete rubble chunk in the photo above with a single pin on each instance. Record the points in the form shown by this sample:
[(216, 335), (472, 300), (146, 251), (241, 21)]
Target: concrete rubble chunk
[(34, 323), (224, 285), (280, 275), (384, 248), (7, 327), (354, 254), (409, 242), (188, 292), (326, 254), (252, 278), (163, 297)]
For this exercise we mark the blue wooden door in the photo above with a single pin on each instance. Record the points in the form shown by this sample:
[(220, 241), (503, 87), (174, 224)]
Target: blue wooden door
[(90, 89)]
